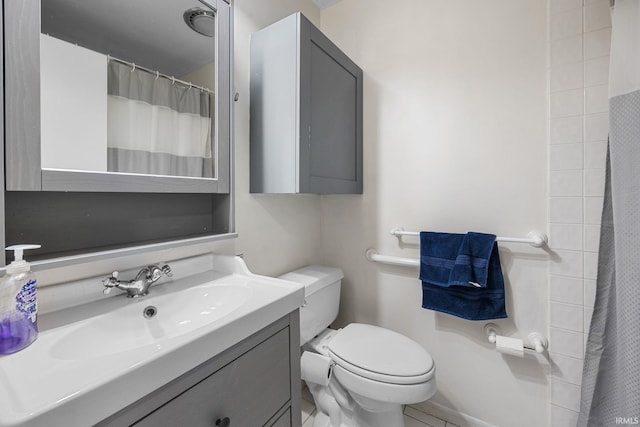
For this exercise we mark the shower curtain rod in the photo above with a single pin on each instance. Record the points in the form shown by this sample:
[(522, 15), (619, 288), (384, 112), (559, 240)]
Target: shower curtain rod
[(159, 74)]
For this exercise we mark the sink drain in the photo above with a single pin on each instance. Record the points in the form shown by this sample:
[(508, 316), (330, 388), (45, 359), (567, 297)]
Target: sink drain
[(149, 312)]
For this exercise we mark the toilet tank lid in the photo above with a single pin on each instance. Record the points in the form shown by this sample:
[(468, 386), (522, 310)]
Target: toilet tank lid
[(314, 277)]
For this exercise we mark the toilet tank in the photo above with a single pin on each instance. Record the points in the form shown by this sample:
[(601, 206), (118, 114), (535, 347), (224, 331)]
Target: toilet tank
[(321, 295)]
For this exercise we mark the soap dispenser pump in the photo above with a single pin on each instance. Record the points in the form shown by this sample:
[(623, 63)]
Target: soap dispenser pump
[(18, 303)]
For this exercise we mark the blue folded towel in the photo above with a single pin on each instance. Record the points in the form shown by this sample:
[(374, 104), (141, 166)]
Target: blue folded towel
[(461, 275)]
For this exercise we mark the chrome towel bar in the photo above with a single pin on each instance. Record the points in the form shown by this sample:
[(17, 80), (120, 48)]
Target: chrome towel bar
[(534, 238)]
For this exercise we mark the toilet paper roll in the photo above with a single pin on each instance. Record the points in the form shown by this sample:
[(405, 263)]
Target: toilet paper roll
[(512, 346), (315, 368)]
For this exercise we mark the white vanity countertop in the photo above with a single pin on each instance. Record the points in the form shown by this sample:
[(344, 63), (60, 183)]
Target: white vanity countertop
[(55, 383)]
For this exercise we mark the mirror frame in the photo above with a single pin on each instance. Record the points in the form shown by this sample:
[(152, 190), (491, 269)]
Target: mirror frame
[(22, 119)]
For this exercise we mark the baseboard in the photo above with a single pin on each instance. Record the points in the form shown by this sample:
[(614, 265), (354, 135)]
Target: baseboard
[(451, 415)]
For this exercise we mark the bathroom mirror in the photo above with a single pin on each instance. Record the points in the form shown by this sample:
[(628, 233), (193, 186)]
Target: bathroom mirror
[(118, 95)]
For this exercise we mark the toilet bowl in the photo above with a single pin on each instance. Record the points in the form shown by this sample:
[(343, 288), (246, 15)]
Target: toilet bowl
[(364, 373)]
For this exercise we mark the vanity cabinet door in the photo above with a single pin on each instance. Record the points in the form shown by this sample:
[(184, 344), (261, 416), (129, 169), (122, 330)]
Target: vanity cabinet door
[(246, 392), (306, 112)]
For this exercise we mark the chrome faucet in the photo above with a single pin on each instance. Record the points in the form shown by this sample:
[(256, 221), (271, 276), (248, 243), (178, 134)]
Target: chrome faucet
[(140, 285)]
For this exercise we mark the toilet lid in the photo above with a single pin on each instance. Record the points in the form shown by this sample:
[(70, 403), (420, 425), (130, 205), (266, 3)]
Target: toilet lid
[(381, 354)]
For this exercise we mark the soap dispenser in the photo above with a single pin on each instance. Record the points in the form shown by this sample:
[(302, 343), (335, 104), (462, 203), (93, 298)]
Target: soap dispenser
[(18, 304)]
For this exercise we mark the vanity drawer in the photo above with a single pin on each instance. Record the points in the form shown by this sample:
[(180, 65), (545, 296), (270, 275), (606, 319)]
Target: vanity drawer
[(247, 391)]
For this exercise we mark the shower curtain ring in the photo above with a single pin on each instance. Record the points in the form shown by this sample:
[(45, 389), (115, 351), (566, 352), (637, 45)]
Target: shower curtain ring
[(173, 80), (157, 74), (133, 67)]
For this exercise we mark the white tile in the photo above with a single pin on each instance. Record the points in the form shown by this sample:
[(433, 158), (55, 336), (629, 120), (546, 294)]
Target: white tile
[(591, 237), (596, 71), (596, 99), (307, 409), (590, 265), (567, 76), (310, 420), (597, 43), (566, 316), (566, 289), (589, 293), (565, 395), (565, 209), (567, 343), (566, 51), (566, 130), (559, 6), (569, 263), (593, 210), (566, 236), (306, 394), (567, 103), (597, 15), (566, 183), (424, 418), (563, 417), (594, 180), (567, 369), (566, 24), (595, 155), (567, 156), (596, 127), (412, 422), (588, 314)]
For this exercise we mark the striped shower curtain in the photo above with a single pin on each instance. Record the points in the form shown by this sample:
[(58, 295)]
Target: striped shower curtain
[(611, 375), (157, 126)]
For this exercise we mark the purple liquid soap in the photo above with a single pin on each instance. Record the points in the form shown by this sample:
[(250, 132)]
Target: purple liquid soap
[(17, 331)]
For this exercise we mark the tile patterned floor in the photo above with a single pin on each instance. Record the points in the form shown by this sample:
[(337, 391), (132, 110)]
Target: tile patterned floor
[(412, 417)]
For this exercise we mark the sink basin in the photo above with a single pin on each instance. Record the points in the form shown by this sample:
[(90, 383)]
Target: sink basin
[(105, 354), (149, 321)]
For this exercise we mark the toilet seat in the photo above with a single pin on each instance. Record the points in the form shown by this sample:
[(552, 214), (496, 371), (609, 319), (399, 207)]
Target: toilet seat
[(380, 354)]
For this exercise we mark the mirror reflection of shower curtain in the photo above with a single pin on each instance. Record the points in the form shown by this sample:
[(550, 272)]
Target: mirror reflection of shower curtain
[(157, 126), (611, 374)]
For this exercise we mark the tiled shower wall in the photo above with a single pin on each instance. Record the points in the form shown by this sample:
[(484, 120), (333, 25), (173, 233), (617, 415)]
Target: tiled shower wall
[(580, 38)]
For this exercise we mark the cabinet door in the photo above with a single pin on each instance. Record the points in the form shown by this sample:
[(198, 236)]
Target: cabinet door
[(331, 105), (284, 420), (247, 391)]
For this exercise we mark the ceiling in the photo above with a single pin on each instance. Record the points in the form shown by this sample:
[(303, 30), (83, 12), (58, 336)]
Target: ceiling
[(323, 4), (137, 31)]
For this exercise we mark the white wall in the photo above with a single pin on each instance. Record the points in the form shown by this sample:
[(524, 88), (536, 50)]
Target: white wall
[(73, 112), (455, 117), (276, 233)]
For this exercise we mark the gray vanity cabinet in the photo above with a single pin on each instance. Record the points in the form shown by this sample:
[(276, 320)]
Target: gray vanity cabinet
[(306, 112), (255, 383)]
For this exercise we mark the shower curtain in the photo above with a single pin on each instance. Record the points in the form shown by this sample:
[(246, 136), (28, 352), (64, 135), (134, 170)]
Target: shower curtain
[(611, 375), (157, 126)]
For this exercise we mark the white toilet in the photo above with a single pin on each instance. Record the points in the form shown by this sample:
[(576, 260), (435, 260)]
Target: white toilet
[(360, 375)]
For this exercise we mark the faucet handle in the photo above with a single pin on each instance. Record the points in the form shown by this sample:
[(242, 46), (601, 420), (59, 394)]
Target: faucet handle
[(110, 282), (166, 270)]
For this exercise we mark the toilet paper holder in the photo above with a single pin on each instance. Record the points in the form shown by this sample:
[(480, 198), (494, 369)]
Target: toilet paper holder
[(535, 341)]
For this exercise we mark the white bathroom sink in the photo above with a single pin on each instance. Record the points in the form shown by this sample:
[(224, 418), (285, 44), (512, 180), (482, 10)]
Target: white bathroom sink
[(150, 321), (92, 360)]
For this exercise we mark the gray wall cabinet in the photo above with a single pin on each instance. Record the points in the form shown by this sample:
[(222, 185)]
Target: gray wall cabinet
[(306, 112), (255, 383)]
